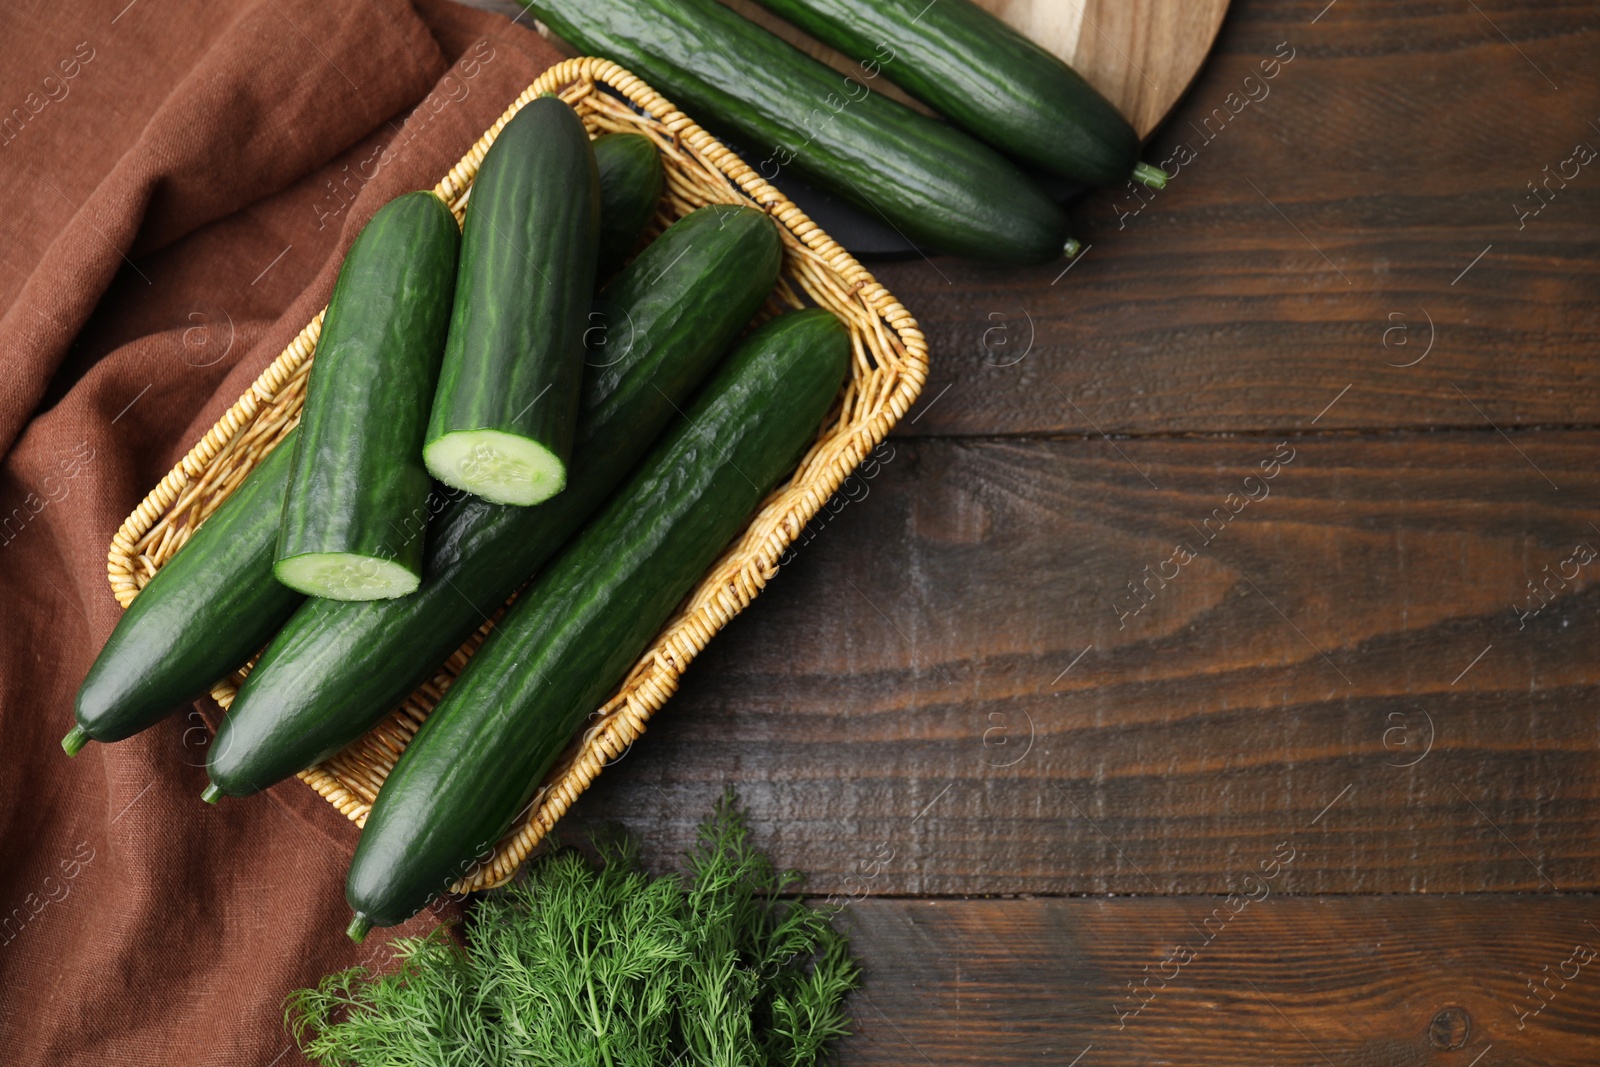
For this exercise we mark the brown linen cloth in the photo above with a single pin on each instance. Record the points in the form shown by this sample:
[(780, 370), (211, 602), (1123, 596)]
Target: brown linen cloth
[(180, 180)]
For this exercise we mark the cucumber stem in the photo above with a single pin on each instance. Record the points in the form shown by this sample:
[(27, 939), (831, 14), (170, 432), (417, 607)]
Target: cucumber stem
[(1153, 176), (357, 930), (76, 738), (1072, 248), (212, 794)]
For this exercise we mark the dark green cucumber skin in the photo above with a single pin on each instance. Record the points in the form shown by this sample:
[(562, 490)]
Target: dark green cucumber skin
[(569, 639), (205, 613), (982, 75), (937, 186), (337, 668), (630, 188), (514, 358), (358, 481)]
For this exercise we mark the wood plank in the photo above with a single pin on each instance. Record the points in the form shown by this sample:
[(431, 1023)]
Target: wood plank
[(1306, 238), (1285, 980), (947, 693)]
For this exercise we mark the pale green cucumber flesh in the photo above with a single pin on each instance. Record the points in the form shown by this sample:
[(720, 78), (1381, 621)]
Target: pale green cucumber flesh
[(346, 576), (503, 468)]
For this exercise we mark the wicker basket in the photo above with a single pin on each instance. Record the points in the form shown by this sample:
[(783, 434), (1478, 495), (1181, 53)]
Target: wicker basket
[(887, 372)]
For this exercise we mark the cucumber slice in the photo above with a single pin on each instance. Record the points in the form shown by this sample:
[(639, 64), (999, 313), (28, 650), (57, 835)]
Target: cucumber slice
[(500, 467), (346, 576)]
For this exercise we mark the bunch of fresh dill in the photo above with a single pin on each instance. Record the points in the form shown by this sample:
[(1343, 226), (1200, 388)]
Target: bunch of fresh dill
[(604, 965)]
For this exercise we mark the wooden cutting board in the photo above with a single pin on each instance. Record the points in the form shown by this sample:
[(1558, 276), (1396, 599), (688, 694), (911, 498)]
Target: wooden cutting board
[(1142, 54)]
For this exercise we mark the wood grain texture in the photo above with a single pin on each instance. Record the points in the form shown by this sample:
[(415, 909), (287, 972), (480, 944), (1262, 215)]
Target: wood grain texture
[(1308, 240), (1142, 54), (948, 691), (1352, 981)]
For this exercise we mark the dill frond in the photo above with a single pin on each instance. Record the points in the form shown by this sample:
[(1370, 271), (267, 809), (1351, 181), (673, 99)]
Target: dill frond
[(602, 965), (423, 1015)]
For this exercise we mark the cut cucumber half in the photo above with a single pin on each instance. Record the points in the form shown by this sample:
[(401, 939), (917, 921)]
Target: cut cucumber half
[(509, 384), (358, 491), (345, 576), (500, 467)]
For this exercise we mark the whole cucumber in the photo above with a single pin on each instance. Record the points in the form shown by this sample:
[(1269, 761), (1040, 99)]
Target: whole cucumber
[(507, 402), (205, 613), (630, 188), (336, 669), (570, 638), (933, 183), (356, 507), (982, 75)]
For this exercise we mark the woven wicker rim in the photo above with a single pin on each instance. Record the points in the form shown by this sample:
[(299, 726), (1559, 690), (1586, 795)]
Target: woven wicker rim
[(889, 366)]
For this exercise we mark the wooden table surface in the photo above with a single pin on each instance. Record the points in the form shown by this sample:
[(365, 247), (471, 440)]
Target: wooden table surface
[(1207, 674)]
